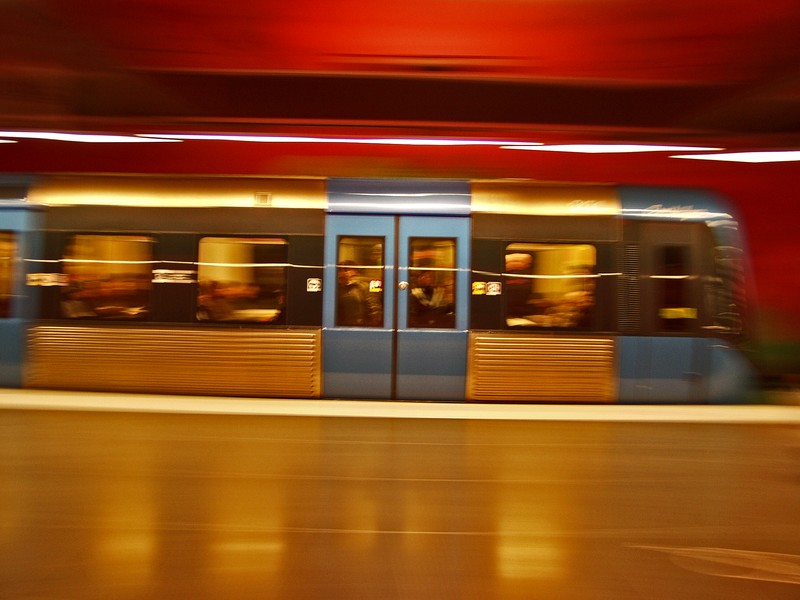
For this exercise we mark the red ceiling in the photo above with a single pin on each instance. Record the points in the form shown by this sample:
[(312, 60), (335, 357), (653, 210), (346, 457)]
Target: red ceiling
[(561, 70), (621, 41)]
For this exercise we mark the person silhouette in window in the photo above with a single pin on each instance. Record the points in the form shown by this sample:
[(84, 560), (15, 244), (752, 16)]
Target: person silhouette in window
[(356, 305), (430, 302)]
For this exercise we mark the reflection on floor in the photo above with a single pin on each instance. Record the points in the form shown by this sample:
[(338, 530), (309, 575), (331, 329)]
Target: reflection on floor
[(134, 504)]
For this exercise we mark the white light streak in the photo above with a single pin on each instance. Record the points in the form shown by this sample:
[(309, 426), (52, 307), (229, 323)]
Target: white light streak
[(607, 148), (567, 276), (280, 139), (80, 137), (409, 206), (675, 213), (107, 262), (403, 195), (747, 157)]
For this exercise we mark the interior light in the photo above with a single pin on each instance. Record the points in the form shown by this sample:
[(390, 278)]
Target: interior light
[(8, 141), (748, 157), (278, 139), (606, 148), (79, 137)]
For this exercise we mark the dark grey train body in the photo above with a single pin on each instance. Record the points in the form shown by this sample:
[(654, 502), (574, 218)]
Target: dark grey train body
[(372, 288)]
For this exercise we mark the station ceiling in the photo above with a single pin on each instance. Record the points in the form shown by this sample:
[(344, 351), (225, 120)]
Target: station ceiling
[(720, 73)]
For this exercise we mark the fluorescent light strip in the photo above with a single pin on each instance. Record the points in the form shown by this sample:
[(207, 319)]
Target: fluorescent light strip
[(606, 148), (279, 139), (80, 137), (748, 157)]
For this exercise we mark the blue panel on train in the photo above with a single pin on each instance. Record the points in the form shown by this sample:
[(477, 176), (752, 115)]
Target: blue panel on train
[(399, 196), (358, 363), (662, 369), (431, 365), (732, 377), (12, 332)]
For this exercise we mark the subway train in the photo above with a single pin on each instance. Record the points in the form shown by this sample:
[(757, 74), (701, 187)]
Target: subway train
[(387, 289)]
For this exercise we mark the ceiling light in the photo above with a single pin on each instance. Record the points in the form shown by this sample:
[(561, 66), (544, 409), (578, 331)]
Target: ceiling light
[(281, 139), (606, 148), (749, 157), (78, 137)]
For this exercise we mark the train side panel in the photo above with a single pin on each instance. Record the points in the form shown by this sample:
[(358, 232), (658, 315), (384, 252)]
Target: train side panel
[(544, 302), (199, 300)]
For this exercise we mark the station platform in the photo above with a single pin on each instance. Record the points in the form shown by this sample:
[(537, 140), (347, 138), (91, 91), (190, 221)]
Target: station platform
[(777, 407)]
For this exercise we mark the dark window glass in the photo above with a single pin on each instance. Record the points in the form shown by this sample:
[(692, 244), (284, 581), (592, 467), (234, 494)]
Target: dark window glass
[(242, 279), (108, 276), (673, 296), (432, 275), (360, 281), (8, 257), (550, 285)]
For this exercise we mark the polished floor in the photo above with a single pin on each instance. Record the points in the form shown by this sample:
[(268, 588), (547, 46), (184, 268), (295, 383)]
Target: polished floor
[(522, 504)]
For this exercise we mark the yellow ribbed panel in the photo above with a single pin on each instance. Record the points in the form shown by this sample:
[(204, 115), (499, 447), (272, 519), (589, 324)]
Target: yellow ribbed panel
[(211, 361), (537, 368)]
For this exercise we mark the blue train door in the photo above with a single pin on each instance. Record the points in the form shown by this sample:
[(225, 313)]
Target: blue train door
[(20, 247), (395, 301)]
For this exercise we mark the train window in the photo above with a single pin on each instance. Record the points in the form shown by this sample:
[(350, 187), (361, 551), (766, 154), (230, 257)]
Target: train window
[(550, 285), (729, 291), (360, 281), (109, 276), (242, 279), (431, 300), (8, 254), (673, 298)]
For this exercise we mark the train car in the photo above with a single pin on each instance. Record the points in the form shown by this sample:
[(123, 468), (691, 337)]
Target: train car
[(395, 289)]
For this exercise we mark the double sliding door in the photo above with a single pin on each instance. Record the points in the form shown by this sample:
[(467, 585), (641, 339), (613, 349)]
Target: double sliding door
[(396, 298)]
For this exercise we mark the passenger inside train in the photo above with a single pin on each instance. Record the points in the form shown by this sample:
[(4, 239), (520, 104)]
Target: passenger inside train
[(430, 303), (357, 305)]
